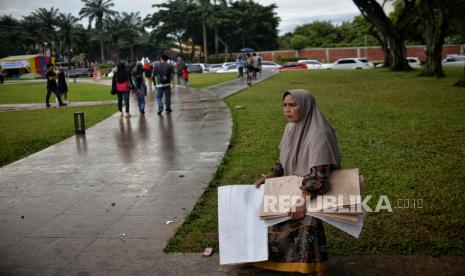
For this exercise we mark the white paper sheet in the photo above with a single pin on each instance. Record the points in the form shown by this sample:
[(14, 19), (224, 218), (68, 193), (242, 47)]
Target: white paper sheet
[(351, 229), (243, 236)]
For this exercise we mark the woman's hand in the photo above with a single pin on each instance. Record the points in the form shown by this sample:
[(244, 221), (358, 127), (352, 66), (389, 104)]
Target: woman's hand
[(298, 210), (259, 182)]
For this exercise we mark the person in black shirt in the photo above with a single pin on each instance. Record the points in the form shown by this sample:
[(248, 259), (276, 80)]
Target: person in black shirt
[(51, 77), (62, 85)]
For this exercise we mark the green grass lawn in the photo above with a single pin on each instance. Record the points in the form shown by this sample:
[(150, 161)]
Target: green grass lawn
[(405, 133), (35, 93), (25, 132), (209, 79)]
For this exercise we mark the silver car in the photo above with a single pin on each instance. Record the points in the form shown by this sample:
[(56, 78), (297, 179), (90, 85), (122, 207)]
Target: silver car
[(350, 63), (458, 60)]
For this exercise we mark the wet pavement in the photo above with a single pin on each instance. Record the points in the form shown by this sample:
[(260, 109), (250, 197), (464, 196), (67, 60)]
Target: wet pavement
[(100, 204)]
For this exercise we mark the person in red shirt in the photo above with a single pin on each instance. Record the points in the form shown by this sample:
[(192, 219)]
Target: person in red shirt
[(185, 76)]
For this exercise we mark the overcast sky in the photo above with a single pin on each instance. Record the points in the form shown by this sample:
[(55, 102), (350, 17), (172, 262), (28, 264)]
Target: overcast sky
[(291, 12)]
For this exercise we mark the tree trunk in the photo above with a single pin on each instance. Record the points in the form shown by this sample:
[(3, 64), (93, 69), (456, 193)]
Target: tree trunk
[(102, 54), (436, 26), (374, 13), (205, 50), (131, 52), (216, 44)]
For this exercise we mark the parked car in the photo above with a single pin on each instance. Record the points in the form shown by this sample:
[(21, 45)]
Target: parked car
[(457, 59), (195, 68), (79, 72), (292, 66), (414, 62), (213, 67), (226, 64), (269, 65), (229, 69), (349, 63), (311, 63)]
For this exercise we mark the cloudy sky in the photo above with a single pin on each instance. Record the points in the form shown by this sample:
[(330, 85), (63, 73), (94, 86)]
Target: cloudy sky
[(292, 12)]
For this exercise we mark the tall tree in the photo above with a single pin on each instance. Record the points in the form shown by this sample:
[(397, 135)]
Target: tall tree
[(12, 32), (171, 20), (67, 22), (114, 26), (96, 10), (392, 37), (436, 22), (132, 28), (48, 20), (457, 13), (205, 9)]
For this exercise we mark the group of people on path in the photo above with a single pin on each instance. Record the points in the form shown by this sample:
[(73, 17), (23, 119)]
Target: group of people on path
[(131, 78), (252, 63), (56, 84)]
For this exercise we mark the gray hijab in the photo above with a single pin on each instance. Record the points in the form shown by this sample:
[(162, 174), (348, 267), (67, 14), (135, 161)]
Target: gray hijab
[(309, 142)]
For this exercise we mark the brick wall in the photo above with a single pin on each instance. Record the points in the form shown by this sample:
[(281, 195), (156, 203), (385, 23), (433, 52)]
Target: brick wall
[(332, 54), (372, 53)]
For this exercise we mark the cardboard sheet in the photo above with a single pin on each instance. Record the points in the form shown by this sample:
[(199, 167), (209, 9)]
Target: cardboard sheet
[(243, 236)]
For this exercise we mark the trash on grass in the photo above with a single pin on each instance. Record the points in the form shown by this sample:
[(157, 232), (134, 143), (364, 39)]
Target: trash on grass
[(207, 252)]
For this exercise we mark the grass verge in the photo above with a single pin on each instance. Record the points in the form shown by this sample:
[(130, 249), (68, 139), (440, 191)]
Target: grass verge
[(405, 134), (209, 79), (26, 132), (36, 92)]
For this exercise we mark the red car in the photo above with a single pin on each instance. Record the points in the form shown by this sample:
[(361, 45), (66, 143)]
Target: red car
[(292, 66)]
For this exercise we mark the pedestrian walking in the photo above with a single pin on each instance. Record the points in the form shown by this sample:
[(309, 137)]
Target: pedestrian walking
[(148, 72), (140, 89), (62, 85), (52, 86), (240, 62), (164, 74), (178, 66), (120, 84), (185, 76)]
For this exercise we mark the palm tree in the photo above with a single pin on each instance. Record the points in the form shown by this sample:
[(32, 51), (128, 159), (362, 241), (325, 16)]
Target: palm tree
[(47, 20), (204, 11), (96, 10), (66, 23), (133, 26), (114, 26)]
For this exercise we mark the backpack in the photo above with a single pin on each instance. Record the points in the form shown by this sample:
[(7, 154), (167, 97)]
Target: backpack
[(164, 78)]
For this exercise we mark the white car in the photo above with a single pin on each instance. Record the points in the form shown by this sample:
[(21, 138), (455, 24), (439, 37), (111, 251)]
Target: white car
[(458, 60), (414, 62), (214, 67), (229, 69), (269, 65), (226, 64), (349, 63), (311, 63)]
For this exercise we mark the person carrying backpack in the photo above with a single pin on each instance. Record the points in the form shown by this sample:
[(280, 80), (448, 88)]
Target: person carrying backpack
[(140, 89), (148, 72), (164, 74)]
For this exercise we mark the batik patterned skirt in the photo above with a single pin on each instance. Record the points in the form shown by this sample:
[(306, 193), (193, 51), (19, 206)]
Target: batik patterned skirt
[(296, 246)]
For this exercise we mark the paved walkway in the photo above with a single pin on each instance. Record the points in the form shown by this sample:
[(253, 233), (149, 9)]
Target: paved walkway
[(98, 204)]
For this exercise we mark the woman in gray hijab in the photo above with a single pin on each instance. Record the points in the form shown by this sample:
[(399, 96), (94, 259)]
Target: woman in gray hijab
[(308, 148)]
